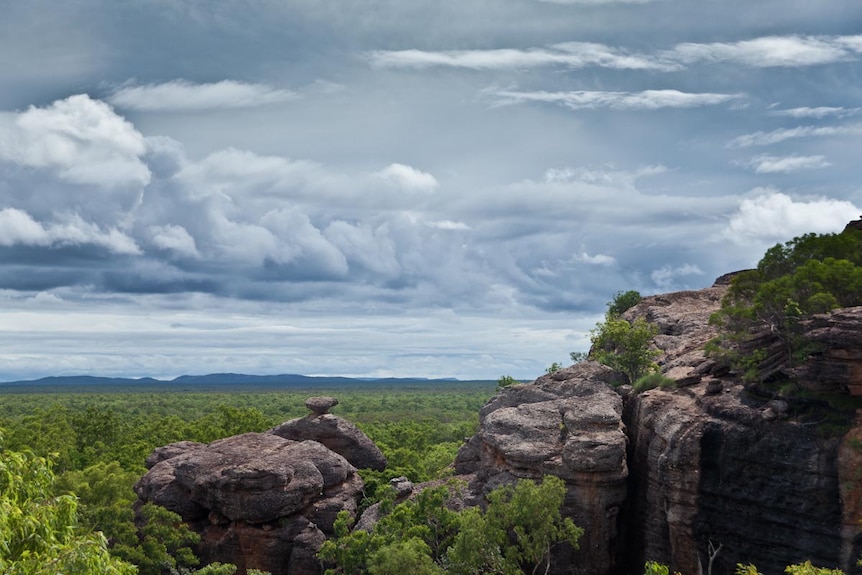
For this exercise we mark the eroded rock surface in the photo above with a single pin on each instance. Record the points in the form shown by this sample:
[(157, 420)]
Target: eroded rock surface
[(661, 475), (258, 500), (567, 424), (337, 434)]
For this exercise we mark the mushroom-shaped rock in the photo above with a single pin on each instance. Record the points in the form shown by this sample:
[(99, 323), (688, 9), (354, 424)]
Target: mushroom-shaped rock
[(254, 477), (337, 434), (320, 405)]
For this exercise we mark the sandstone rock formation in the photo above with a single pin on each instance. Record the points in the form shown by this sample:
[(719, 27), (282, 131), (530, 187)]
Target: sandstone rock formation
[(568, 424), (661, 475), (337, 434), (258, 500)]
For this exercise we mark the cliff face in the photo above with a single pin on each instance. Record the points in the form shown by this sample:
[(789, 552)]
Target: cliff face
[(707, 465)]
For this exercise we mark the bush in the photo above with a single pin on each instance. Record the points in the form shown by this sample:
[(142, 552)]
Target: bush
[(651, 381), (625, 346)]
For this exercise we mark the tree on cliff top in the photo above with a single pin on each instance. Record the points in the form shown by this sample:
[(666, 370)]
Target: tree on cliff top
[(808, 275), (623, 345)]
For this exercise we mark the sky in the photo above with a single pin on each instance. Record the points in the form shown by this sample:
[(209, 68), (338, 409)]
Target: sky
[(425, 188)]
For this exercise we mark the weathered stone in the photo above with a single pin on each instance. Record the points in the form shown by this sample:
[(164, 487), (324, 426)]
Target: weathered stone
[(570, 427), (258, 500), (321, 404), (836, 366), (337, 434)]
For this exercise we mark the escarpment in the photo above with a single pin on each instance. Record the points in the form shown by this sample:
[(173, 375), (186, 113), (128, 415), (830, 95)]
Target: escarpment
[(711, 468), (710, 465)]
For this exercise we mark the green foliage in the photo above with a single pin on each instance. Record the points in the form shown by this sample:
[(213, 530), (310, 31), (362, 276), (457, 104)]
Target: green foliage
[(506, 381), (808, 275), (622, 302), (554, 367), (164, 542), (653, 568), (651, 381), (808, 569), (38, 534), (578, 356), (532, 512), (516, 532), (99, 441), (625, 346)]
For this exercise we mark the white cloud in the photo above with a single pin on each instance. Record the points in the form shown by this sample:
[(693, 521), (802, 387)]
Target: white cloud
[(771, 51), (597, 259), (183, 95), (19, 228), (667, 277), (772, 216), (570, 54), (174, 238), (82, 139), (448, 225), (819, 112), (766, 164), (776, 136), (645, 100), (790, 51), (408, 178)]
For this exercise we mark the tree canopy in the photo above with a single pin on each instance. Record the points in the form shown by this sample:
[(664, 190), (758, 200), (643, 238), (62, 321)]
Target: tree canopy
[(810, 274)]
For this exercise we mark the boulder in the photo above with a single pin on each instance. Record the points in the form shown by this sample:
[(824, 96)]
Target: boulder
[(258, 500), (337, 434)]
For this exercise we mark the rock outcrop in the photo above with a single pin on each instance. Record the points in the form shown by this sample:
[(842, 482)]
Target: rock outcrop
[(664, 474), (567, 424), (258, 500)]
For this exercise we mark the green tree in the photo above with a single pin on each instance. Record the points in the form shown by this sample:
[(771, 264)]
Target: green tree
[(554, 367), (521, 525), (623, 301), (807, 275), (38, 534), (506, 381), (164, 542), (625, 346)]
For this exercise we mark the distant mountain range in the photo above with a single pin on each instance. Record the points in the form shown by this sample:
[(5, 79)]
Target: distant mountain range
[(222, 380)]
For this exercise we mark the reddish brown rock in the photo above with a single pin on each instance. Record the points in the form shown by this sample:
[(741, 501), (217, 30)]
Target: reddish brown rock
[(258, 500), (337, 434)]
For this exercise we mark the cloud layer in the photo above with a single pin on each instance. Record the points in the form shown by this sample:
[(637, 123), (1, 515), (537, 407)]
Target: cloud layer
[(442, 188)]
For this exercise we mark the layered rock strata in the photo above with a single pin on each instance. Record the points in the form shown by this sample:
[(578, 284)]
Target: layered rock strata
[(567, 424)]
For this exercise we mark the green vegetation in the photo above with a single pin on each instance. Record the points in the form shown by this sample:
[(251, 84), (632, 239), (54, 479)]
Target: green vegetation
[(808, 275), (653, 568), (96, 443), (651, 381), (622, 302), (506, 381), (38, 529), (515, 534), (624, 345)]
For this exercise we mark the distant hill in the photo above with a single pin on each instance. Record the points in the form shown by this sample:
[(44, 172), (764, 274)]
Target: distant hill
[(221, 380)]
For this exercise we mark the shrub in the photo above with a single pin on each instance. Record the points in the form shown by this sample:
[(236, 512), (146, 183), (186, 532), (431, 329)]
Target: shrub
[(651, 381)]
